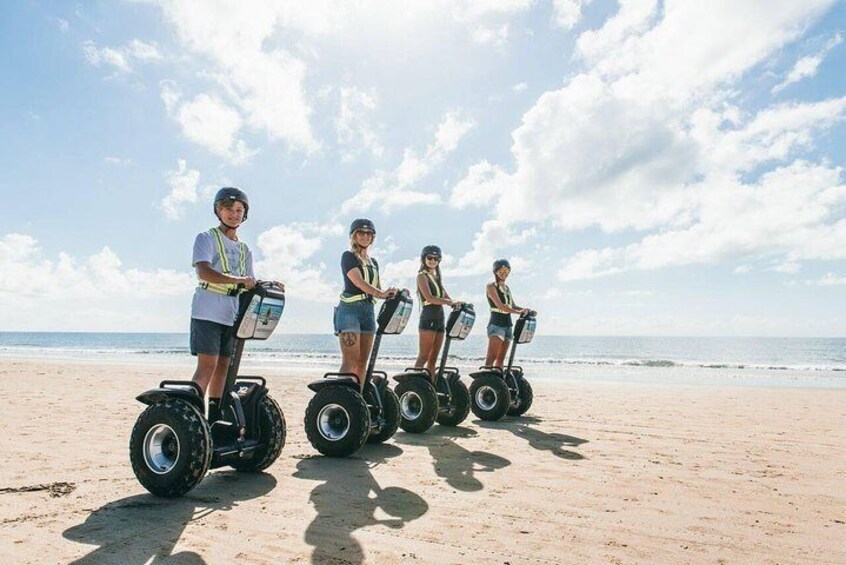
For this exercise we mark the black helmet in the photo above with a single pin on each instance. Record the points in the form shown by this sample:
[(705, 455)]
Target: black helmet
[(431, 250), (362, 224), (500, 263), (232, 194)]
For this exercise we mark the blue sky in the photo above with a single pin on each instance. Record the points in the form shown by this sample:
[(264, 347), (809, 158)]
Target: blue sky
[(651, 168)]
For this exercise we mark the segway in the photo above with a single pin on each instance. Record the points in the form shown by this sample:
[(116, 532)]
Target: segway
[(172, 445), (496, 392), (340, 418), (448, 401)]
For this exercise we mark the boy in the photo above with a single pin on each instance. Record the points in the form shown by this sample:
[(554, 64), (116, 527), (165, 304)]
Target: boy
[(224, 266)]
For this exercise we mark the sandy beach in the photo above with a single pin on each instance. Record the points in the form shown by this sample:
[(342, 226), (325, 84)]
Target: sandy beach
[(596, 473)]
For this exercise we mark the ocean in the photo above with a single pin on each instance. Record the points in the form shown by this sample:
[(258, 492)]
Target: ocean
[(744, 361)]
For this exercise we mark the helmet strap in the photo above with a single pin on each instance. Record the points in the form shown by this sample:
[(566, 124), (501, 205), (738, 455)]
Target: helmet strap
[(228, 231)]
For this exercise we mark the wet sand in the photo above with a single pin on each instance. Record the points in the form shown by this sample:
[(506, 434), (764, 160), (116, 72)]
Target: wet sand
[(596, 472)]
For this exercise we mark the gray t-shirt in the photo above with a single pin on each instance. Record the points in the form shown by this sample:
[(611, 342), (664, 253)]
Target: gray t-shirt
[(209, 305)]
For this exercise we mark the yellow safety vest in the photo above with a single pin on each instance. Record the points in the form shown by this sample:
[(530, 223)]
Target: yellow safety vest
[(438, 293), (220, 288), (365, 275), (505, 298)]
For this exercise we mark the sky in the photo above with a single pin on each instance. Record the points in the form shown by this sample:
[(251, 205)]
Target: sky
[(649, 168)]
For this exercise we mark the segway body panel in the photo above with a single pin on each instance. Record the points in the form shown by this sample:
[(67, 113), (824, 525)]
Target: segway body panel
[(341, 417), (173, 445)]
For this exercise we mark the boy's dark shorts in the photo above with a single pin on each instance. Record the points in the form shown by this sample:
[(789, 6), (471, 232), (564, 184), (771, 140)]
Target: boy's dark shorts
[(211, 338)]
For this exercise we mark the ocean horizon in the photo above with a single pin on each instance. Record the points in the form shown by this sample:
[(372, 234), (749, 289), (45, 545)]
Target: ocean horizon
[(752, 361)]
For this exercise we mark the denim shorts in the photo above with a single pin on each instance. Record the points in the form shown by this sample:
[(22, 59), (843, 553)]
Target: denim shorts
[(505, 333), (355, 317), (211, 338)]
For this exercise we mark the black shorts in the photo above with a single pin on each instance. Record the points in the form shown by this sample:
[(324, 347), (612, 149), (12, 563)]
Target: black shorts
[(211, 338), (432, 319)]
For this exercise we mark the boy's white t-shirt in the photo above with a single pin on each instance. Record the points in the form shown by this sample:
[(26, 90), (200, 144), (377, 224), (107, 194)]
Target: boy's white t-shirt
[(209, 305)]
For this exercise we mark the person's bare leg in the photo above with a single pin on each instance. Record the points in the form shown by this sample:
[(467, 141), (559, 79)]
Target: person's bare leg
[(500, 356), (427, 339), (205, 369), (218, 379), (432, 361), (493, 350), (365, 345), (349, 352)]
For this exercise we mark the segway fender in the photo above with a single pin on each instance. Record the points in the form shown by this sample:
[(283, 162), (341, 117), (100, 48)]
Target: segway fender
[(485, 373), (326, 381), (406, 377), (157, 395)]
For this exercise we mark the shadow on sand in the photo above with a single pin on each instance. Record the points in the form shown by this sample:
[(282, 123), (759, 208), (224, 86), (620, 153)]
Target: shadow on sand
[(348, 498), (145, 529), (542, 441), (452, 462)]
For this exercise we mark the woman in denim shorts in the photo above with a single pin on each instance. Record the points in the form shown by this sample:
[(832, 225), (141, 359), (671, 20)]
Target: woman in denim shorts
[(355, 320), (500, 328), (433, 296)]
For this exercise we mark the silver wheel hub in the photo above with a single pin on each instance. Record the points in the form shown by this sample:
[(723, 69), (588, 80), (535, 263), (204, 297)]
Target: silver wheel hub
[(411, 405), (486, 397), (161, 449), (333, 422)]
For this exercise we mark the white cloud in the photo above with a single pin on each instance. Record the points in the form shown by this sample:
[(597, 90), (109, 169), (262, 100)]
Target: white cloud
[(390, 190), (482, 186), (96, 293), (489, 244), (287, 250), (788, 267), (63, 25), (791, 212), (183, 189), (830, 279), (118, 161), (354, 124), (807, 66), (647, 138), (566, 14), (266, 85), (210, 122), (520, 87), (491, 35), (120, 58)]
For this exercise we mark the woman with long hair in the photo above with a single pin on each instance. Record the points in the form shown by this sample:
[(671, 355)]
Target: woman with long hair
[(355, 319), (433, 297), (500, 327)]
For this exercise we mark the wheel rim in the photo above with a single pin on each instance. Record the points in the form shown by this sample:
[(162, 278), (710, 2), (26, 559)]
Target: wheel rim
[(411, 405), (486, 397), (333, 422), (161, 449)]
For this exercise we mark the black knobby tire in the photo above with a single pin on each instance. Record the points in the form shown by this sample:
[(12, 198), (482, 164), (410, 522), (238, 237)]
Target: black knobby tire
[(185, 448), (526, 397), (272, 432), (348, 406), (459, 405), (391, 407), (489, 397), (418, 404)]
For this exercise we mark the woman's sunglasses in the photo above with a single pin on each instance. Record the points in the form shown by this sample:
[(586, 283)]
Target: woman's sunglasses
[(433, 258)]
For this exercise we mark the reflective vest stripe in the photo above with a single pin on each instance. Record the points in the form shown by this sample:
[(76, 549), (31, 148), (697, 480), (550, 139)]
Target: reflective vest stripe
[(438, 291), (508, 301), (365, 275), (221, 288)]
